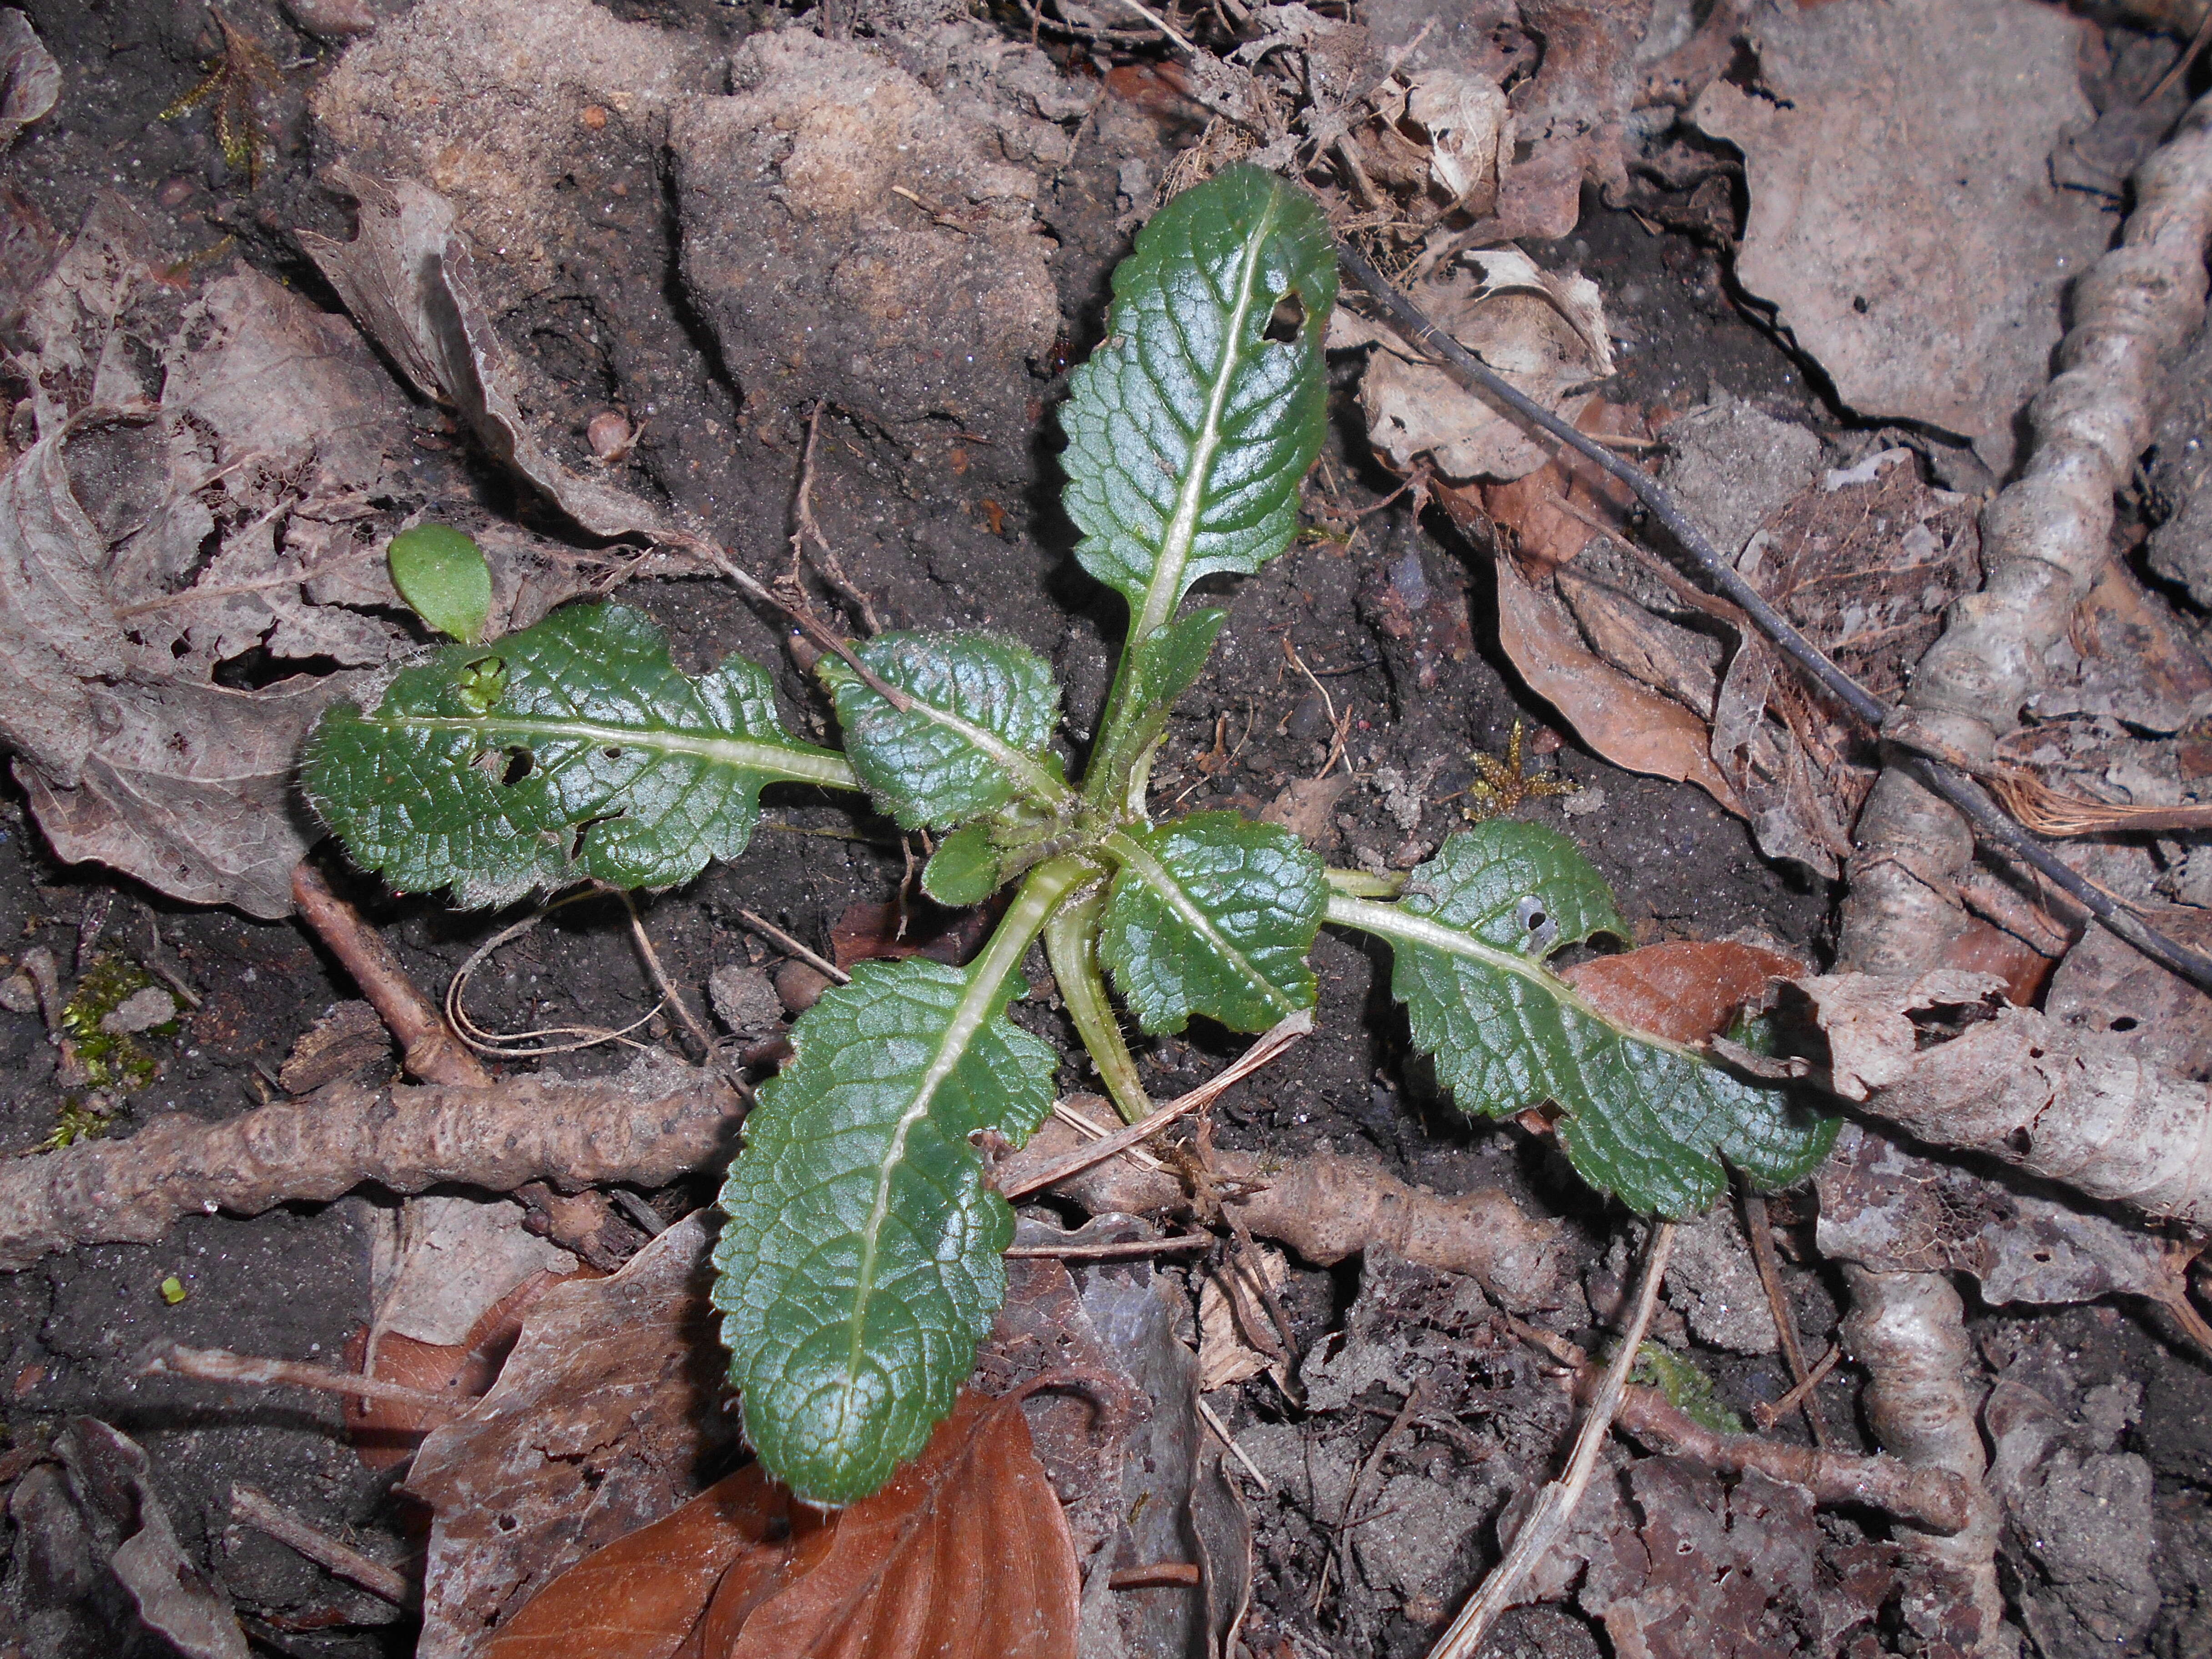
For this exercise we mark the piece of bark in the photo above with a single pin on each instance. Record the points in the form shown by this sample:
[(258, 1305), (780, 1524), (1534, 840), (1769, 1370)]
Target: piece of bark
[(321, 1146)]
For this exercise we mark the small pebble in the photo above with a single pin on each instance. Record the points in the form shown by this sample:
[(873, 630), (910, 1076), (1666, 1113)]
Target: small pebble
[(610, 435), (799, 985), (594, 117), (746, 1000)]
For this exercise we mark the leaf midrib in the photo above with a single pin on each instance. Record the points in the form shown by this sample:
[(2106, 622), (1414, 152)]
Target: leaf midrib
[(1165, 590), (1393, 921), (795, 762), (986, 977), (1140, 862)]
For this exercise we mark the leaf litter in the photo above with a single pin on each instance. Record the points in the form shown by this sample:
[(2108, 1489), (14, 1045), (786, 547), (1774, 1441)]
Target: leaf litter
[(1601, 63)]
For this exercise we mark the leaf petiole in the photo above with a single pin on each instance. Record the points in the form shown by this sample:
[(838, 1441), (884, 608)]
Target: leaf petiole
[(1070, 938)]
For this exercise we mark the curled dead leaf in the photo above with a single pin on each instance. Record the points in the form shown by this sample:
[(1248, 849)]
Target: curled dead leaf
[(964, 1555)]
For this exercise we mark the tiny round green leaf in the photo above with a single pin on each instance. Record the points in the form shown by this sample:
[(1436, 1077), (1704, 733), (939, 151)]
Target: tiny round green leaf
[(963, 870), (443, 576)]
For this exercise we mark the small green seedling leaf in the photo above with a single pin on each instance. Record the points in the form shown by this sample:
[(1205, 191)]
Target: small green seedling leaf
[(973, 740), (173, 1290), (1641, 1118), (963, 870), (1190, 428), (573, 748), (443, 576), (861, 1262), (1212, 914), (1161, 668)]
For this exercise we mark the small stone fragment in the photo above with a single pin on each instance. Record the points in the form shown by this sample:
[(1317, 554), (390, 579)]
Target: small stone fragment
[(746, 1001), (19, 994), (142, 1011), (610, 436)]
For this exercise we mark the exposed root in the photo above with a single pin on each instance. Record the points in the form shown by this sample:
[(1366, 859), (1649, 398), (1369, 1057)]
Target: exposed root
[(1937, 1499), (323, 1146), (2044, 540), (429, 1048), (1909, 1331), (1327, 1207)]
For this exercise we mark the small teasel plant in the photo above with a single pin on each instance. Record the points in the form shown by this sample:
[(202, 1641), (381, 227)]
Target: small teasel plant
[(861, 1259)]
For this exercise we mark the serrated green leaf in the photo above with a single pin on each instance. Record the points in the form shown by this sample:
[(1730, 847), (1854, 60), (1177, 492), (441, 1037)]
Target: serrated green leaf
[(974, 740), (574, 749), (1190, 428), (444, 577), (1160, 668), (861, 1262), (1212, 914), (1640, 1117)]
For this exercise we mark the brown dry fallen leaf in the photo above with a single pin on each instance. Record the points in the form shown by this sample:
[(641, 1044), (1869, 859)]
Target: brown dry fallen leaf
[(409, 281), (964, 1555), (1623, 720), (1924, 272), (30, 79), (642, 1596), (1892, 1210), (1544, 332), (1683, 990), (215, 474), (597, 1425), (102, 1504)]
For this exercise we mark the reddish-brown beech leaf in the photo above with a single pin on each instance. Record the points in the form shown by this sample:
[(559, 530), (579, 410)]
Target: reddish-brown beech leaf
[(1685, 990), (642, 1596), (964, 1555), (868, 932), (598, 1421)]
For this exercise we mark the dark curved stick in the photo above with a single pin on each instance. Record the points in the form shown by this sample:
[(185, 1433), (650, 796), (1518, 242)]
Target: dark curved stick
[(1955, 786)]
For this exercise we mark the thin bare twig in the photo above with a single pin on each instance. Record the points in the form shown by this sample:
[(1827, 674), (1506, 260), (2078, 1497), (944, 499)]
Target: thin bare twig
[(783, 941), (1176, 37), (1555, 1505), (1118, 1250), (805, 526), (1939, 775), (1279, 1038), (264, 1514), (1083, 1126), (810, 624), (1416, 1397), (1213, 1419), (432, 1050), (1760, 1235), (1767, 1416), (669, 993)]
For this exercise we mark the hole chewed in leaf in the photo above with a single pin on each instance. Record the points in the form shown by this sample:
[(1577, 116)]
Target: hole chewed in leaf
[(1286, 321)]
